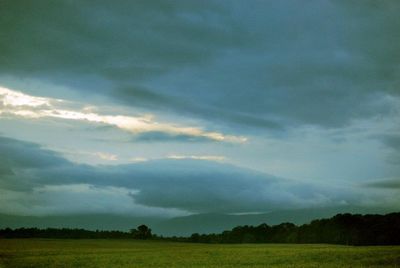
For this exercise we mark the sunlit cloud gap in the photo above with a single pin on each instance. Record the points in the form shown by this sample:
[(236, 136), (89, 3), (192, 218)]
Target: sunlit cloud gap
[(114, 157), (198, 157), (23, 105)]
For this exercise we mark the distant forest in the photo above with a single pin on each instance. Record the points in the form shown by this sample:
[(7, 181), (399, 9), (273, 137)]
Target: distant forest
[(346, 229)]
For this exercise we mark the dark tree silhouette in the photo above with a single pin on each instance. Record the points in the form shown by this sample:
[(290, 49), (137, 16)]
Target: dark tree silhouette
[(142, 232), (344, 229)]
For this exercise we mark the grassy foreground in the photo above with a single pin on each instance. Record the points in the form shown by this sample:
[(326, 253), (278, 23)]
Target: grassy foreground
[(130, 253)]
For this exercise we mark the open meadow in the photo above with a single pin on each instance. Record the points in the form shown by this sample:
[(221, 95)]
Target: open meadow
[(132, 253)]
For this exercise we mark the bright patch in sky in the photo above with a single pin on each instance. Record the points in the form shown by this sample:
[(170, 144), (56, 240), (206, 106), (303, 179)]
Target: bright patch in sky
[(17, 103)]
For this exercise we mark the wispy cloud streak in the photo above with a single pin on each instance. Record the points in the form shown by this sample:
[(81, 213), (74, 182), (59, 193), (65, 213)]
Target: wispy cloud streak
[(27, 106), (217, 158)]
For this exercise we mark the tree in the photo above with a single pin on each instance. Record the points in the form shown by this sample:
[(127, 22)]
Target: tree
[(194, 238), (142, 232)]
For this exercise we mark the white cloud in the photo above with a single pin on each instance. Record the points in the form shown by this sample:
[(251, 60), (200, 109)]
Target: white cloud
[(198, 157), (23, 105), (138, 159), (15, 99), (106, 156)]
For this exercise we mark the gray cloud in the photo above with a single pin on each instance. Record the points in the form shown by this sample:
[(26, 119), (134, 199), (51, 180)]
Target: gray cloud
[(189, 185), (156, 136), (21, 163), (392, 141), (19, 154), (261, 64), (385, 184), (129, 40)]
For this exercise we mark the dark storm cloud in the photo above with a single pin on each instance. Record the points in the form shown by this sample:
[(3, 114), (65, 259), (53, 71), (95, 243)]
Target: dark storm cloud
[(392, 141), (192, 105), (20, 163), (385, 184), (313, 63), (192, 185), (264, 64), (127, 39), (19, 154), (375, 36)]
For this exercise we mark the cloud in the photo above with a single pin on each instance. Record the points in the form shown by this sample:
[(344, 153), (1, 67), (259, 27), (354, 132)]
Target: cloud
[(106, 156), (264, 65), (198, 157), (138, 159), (286, 74), (159, 136), (385, 184), (78, 199), (189, 185), (16, 99), (19, 104), (137, 40), (27, 155), (392, 141)]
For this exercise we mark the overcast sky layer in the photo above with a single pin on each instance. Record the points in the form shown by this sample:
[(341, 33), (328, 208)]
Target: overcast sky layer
[(170, 108)]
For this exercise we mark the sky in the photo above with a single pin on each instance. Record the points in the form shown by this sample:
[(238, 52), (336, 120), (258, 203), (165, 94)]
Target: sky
[(173, 108)]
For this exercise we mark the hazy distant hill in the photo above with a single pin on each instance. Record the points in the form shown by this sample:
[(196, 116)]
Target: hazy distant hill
[(198, 223)]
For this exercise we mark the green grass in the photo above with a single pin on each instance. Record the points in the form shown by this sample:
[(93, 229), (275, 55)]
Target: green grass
[(129, 253)]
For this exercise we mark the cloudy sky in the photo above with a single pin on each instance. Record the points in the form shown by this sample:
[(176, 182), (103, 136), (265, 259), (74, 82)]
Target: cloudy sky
[(171, 108)]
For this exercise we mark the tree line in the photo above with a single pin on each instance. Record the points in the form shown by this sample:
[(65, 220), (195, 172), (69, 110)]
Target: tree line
[(346, 229), (142, 232)]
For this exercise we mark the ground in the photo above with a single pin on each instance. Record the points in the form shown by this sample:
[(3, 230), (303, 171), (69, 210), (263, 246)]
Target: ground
[(131, 253)]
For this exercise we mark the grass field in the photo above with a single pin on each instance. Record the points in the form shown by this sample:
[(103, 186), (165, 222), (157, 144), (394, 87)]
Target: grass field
[(129, 253)]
